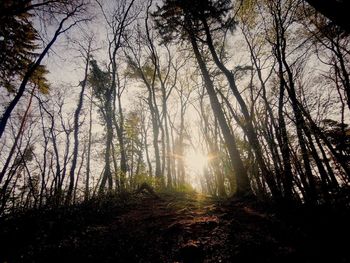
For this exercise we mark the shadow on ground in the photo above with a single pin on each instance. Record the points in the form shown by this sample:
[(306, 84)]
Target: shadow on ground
[(176, 228)]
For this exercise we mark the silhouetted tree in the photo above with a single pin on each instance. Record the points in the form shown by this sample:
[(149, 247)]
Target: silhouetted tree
[(178, 19)]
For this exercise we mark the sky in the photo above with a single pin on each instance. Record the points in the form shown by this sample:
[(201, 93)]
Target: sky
[(67, 68)]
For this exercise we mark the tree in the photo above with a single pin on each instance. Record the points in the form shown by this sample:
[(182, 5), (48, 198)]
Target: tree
[(86, 53), (18, 42), (247, 127), (336, 11), (33, 66), (103, 92), (121, 17), (181, 19)]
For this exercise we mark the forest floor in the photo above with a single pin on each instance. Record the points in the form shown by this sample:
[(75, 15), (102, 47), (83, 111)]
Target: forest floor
[(176, 228)]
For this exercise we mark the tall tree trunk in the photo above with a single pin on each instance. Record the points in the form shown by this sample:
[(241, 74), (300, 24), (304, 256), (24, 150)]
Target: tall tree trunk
[(300, 126), (167, 141), (57, 173), (107, 175), (150, 170), (284, 143), (280, 54), (87, 179), (281, 130), (17, 137), (120, 134), (249, 129), (243, 184), (180, 152), (76, 127)]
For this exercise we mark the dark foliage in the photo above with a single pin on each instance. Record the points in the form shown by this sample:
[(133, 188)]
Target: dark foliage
[(172, 18), (17, 44)]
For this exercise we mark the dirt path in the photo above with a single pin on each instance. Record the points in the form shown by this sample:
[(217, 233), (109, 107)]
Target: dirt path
[(169, 229), (174, 228), (189, 228)]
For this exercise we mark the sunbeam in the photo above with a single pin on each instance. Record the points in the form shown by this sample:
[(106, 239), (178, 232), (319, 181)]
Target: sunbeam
[(196, 161)]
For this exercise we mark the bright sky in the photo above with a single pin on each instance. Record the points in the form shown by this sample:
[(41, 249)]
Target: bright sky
[(66, 69)]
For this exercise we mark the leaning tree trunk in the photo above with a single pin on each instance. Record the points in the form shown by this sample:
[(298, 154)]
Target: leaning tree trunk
[(8, 111), (243, 183), (248, 126)]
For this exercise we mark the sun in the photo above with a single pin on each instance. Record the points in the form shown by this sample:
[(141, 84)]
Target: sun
[(196, 161)]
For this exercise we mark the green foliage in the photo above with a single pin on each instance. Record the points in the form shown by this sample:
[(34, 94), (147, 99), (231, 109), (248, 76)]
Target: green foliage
[(99, 80), (38, 78), (145, 178), (177, 17), (17, 45), (247, 13), (185, 188), (132, 126), (145, 72)]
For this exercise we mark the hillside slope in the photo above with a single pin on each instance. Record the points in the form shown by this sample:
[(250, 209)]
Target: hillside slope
[(175, 228)]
